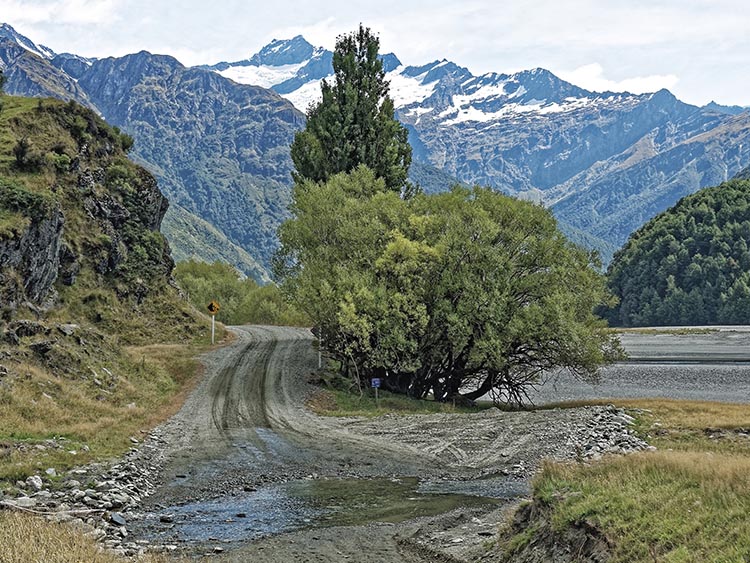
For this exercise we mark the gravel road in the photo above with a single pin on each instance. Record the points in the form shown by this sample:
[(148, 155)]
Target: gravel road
[(245, 468)]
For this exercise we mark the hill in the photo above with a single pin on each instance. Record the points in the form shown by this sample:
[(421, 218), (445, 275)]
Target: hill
[(690, 265), (85, 275)]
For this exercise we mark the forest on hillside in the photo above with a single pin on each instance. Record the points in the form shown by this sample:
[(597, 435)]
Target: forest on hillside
[(689, 265)]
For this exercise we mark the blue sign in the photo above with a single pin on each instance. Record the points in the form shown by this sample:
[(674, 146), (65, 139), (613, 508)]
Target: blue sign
[(376, 382)]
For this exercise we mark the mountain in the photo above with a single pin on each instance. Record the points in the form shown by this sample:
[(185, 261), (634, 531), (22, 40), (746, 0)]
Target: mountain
[(7, 32), (218, 137), (690, 265), (219, 149), (604, 162), (29, 74)]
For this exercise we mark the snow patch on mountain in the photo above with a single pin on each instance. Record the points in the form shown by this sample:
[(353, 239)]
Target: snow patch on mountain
[(264, 76), (10, 33), (406, 90)]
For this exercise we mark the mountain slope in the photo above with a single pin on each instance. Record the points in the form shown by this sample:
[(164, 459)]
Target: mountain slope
[(605, 162), (690, 264), (219, 149)]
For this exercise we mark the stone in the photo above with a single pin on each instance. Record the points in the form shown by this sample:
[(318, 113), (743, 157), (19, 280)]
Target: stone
[(35, 482), (166, 518), (117, 519), (51, 472), (24, 502), (67, 329)]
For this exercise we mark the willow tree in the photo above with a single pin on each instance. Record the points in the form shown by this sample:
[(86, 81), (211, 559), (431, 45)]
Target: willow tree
[(455, 295), (354, 122)]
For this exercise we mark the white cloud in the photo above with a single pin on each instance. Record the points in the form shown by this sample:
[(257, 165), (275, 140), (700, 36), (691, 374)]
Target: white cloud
[(591, 77), (60, 11)]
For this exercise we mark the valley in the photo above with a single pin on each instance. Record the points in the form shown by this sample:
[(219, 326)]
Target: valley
[(217, 137), (426, 359), (246, 471)]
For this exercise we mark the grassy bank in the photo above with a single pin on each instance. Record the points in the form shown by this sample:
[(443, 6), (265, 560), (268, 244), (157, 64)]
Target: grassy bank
[(45, 542), (50, 419), (687, 502), (339, 397)]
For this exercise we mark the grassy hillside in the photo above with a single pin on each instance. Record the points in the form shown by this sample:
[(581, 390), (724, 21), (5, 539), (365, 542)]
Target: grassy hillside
[(85, 285)]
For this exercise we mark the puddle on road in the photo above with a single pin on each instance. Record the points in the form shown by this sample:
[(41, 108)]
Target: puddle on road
[(316, 503)]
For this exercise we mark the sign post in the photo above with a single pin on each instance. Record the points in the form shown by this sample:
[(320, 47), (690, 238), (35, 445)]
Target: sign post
[(213, 308), (376, 385)]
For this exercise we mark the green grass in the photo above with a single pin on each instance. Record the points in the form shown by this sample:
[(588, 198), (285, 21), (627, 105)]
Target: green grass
[(338, 399), (687, 502), (666, 506), (12, 224)]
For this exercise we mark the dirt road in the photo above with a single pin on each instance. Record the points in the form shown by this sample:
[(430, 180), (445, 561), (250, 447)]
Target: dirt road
[(249, 471)]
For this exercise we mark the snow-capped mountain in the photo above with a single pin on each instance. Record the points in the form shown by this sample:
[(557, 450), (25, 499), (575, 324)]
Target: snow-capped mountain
[(604, 161), (6, 31), (441, 90)]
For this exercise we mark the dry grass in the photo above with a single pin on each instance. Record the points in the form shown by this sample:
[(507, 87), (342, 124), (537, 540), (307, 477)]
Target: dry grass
[(663, 506), (98, 411), (687, 502), (26, 539)]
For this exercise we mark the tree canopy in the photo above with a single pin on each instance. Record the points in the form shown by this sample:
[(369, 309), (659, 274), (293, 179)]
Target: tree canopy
[(689, 265), (354, 122), (456, 295)]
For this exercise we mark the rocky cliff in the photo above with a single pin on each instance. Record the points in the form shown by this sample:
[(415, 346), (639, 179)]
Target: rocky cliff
[(78, 220)]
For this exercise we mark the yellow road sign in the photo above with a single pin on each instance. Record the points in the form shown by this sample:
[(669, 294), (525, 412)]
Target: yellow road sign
[(213, 307)]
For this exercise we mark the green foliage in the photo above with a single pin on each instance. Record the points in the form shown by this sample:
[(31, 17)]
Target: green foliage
[(354, 122), (690, 265), (242, 301), (2, 81), (14, 198), (442, 293)]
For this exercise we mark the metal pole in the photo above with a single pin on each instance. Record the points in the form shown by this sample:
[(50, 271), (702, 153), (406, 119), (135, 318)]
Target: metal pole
[(320, 352), (213, 328)]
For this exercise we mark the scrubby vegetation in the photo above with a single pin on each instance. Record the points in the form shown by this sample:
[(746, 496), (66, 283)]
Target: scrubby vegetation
[(690, 265), (242, 300), (85, 275)]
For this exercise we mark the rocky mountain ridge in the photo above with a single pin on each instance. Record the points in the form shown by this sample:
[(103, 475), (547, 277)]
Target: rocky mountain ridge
[(604, 162)]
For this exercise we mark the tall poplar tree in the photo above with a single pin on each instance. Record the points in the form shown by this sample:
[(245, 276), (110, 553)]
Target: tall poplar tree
[(354, 123)]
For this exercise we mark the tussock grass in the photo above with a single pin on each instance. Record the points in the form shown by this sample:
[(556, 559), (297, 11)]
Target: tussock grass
[(663, 506), (687, 502), (27, 539), (98, 414)]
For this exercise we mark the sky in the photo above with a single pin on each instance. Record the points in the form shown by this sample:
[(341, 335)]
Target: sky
[(698, 49)]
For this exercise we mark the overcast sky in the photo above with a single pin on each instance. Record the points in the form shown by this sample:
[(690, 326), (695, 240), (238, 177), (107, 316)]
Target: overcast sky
[(699, 49)]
